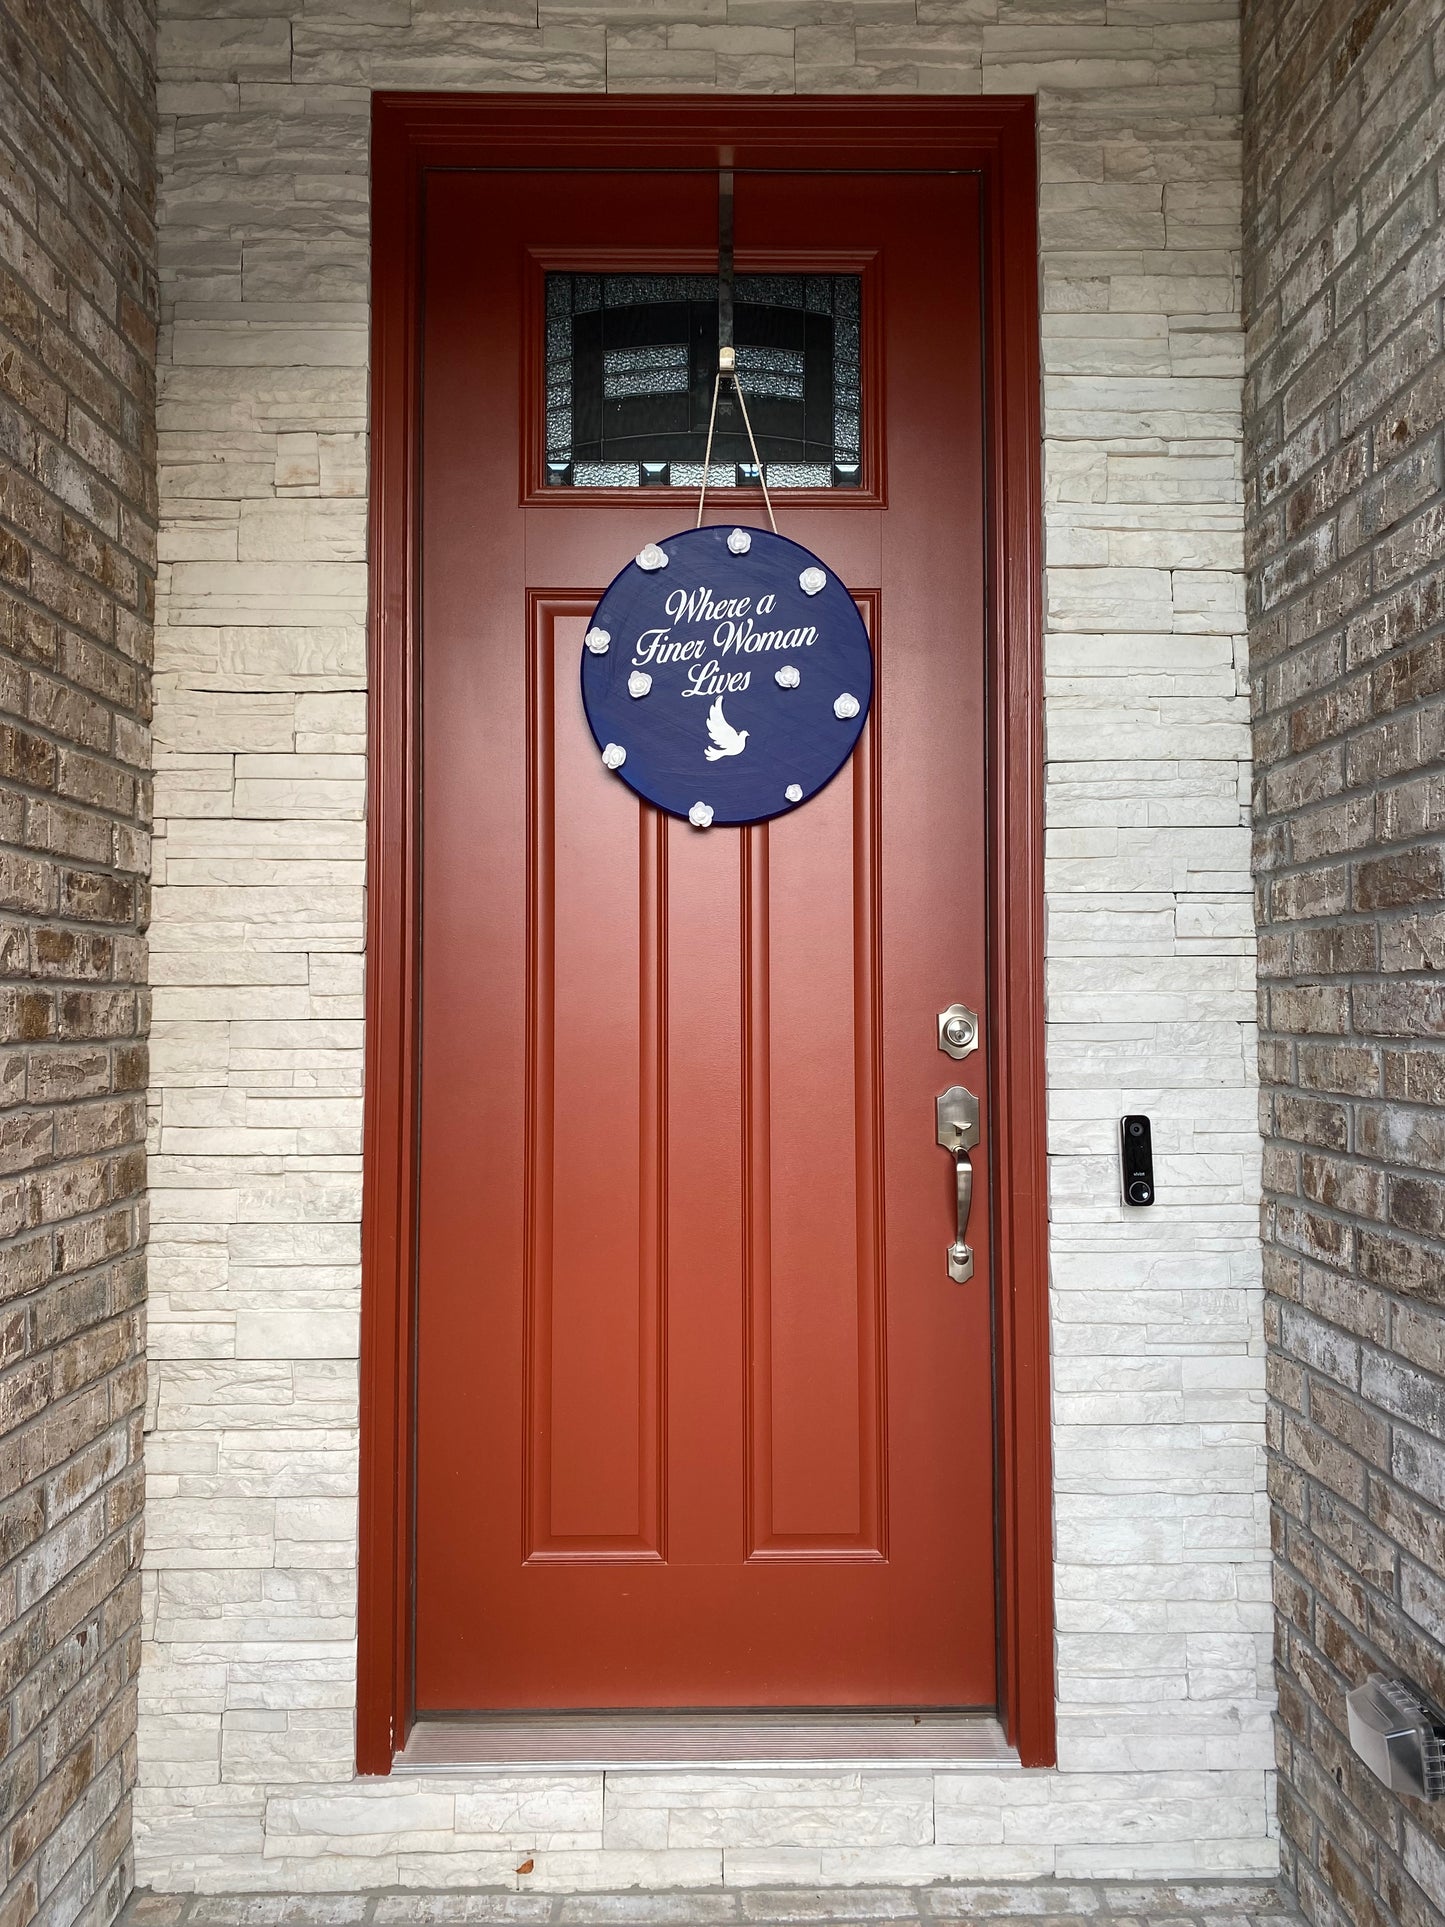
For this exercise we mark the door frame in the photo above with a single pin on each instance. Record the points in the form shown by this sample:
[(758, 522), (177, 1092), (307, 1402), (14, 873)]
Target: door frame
[(994, 138)]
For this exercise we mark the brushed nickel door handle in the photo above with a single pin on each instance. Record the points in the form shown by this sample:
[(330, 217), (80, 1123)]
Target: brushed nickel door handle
[(957, 1111)]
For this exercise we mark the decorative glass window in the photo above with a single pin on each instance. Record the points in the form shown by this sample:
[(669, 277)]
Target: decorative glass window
[(630, 366)]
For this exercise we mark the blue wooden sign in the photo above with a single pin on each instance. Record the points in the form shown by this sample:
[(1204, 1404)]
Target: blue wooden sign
[(726, 675)]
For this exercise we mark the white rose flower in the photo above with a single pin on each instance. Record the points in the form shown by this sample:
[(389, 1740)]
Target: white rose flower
[(700, 815), (598, 641), (740, 541), (794, 792), (787, 677), (638, 683), (652, 557), (845, 706), (812, 580), (614, 756)]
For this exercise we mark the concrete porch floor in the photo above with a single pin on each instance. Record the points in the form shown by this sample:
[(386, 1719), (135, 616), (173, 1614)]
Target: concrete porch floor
[(1102, 1903)]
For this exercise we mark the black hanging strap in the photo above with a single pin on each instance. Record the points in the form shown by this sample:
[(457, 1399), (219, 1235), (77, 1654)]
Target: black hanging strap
[(727, 361), (725, 270)]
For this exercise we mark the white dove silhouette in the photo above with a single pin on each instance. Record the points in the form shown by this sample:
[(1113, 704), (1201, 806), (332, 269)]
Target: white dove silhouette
[(726, 741)]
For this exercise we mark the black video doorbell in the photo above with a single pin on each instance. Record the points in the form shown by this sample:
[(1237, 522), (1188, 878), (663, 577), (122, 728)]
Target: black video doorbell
[(1137, 1153)]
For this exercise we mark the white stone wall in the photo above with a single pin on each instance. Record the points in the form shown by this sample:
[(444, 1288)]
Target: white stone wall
[(1162, 1568)]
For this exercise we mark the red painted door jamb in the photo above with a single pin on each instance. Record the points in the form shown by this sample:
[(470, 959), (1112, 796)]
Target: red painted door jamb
[(994, 137)]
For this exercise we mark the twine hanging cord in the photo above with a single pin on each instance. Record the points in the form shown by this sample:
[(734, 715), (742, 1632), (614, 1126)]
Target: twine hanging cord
[(728, 371)]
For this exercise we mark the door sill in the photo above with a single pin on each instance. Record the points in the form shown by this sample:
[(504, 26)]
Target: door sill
[(655, 1742)]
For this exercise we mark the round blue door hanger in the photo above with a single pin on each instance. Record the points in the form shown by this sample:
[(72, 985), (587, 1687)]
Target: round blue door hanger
[(726, 675)]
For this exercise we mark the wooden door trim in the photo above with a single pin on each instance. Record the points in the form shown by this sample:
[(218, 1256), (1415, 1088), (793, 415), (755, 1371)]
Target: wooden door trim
[(411, 134)]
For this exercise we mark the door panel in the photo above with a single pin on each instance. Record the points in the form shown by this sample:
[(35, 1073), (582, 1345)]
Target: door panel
[(595, 1155), (702, 1421), (814, 1286)]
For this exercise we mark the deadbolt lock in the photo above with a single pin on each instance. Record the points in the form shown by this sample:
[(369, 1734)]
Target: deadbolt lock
[(957, 1030)]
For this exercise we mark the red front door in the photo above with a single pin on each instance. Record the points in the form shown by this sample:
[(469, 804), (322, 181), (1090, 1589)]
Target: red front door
[(702, 1420)]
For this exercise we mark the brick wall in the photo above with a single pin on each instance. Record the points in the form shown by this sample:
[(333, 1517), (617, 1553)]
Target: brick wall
[(1346, 517), (77, 536), (1162, 1577)]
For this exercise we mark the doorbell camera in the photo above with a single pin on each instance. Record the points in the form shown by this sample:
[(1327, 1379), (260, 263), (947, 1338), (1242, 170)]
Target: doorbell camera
[(1137, 1158)]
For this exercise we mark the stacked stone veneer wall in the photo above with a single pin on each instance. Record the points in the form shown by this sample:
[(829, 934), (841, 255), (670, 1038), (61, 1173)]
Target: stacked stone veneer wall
[(77, 573), (1346, 123), (1163, 1643)]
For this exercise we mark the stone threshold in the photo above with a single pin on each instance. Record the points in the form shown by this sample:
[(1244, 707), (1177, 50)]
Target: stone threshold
[(1058, 1903), (658, 1742)]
